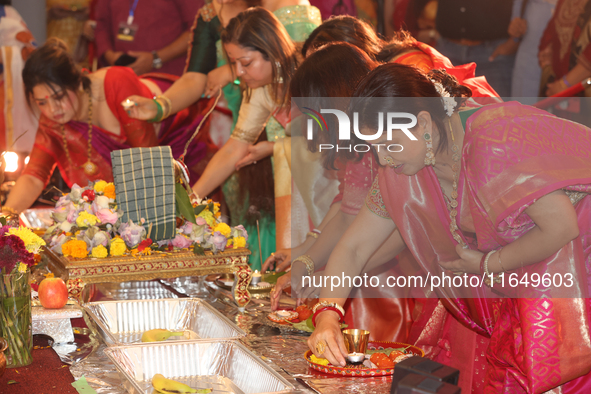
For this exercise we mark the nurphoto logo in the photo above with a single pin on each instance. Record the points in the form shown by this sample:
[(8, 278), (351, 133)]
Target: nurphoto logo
[(345, 129)]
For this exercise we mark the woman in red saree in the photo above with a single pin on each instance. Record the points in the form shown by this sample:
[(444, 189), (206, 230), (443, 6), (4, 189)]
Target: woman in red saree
[(82, 121), (518, 186)]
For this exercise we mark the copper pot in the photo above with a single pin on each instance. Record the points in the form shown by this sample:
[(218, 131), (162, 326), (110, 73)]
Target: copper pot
[(3, 347)]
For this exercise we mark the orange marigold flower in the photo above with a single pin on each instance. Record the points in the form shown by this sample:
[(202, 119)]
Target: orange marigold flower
[(109, 191), (75, 248)]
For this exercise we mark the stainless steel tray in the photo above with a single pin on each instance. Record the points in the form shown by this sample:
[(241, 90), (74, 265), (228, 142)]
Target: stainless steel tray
[(226, 366), (124, 322)]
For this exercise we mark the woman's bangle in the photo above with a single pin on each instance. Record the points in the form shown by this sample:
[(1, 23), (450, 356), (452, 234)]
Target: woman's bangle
[(482, 264), (158, 116), (501, 264), (314, 233), (307, 260), (487, 273), (327, 308), (10, 210), (568, 85), (167, 108)]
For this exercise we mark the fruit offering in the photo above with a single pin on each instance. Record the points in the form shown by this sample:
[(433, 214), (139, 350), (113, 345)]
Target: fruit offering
[(169, 386), (53, 292), (159, 334), (303, 312), (381, 360)]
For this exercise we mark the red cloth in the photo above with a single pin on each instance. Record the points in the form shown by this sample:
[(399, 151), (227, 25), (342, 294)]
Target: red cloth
[(159, 23)]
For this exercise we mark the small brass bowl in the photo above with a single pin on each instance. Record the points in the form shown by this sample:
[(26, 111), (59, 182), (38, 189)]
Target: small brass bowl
[(3, 347)]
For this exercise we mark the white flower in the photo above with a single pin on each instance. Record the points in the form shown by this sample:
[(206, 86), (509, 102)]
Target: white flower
[(449, 103), (65, 226)]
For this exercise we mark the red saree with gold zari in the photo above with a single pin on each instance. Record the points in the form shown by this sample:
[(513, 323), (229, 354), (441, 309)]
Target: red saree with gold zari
[(535, 341)]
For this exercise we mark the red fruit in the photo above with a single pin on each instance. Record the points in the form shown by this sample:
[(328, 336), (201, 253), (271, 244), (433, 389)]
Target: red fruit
[(53, 293), (394, 354), (301, 308), (381, 360)]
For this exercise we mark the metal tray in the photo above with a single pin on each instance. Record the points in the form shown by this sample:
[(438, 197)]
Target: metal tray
[(124, 322), (226, 366)]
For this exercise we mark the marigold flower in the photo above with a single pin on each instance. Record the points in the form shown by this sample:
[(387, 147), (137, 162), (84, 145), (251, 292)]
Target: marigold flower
[(86, 219), (75, 248), (99, 187), (100, 252), (109, 191), (224, 229), (118, 247)]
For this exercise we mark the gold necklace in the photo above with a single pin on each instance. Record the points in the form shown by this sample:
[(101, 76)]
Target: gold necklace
[(453, 204), (89, 167)]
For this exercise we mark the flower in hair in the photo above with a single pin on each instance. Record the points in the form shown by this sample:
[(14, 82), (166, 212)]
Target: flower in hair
[(449, 103)]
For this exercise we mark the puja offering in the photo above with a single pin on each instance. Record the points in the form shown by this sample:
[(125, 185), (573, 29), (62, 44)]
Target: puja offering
[(127, 104), (53, 293), (163, 385), (376, 352), (256, 278), (130, 322), (223, 366), (282, 317), (356, 344)]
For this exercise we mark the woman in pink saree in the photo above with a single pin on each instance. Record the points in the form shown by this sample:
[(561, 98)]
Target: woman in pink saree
[(509, 196)]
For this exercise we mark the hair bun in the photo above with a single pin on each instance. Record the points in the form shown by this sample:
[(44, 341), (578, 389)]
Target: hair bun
[(451, 85), (57, 43)]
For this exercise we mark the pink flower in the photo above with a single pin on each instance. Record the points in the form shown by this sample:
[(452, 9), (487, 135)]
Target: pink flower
[(200, 221), (107, 216), (219, 241), (180, 241), (187, 228), (132, 234)]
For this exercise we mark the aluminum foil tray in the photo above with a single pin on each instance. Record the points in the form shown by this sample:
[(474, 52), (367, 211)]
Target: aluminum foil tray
[(226, 366), (124, 322)]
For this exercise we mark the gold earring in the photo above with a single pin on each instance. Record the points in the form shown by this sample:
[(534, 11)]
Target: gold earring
[(430, 156), (389, 161), (279, 78)]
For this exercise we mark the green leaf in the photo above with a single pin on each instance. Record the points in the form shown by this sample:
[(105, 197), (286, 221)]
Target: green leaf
[(3, 221), (199, 208), (198, 250), (12, 382), (183, 204), (203, 391)]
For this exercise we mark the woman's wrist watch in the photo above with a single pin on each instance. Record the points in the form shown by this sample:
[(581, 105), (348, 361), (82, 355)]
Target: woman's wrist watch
[(157, 61)]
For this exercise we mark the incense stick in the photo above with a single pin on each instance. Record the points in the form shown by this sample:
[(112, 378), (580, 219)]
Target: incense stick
[(260, 250)]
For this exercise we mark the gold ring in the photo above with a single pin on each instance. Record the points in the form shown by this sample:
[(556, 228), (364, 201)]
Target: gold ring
[(273, 254), (321, 347)]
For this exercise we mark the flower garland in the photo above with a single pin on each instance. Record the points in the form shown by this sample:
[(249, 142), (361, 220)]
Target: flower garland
[(88, 225)]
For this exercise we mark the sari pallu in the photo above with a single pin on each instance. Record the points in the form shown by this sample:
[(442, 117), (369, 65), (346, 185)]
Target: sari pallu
[(531, 344)]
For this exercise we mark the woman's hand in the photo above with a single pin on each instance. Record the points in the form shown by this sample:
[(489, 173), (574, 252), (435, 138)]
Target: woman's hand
[(555, 87), (144, 108), (311, 292), (217, 79), (545, 57), (279, 261), (327, 339), (255, 153), (282, 283), (517, 27), (469, 262)]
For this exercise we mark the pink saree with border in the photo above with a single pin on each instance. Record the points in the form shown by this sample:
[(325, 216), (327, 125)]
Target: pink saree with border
[(534, 341)]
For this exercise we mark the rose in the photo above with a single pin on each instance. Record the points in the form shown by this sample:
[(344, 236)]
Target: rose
[(146, 243), (218, 241), (62, 210), (100, 202), (99, 252), (132, 233), (75, 193), (198, 233), (180, 241), (208, 216), (107, 216), (186, 228), (240, 231), (88, 195), (118, 247), (200, 221)]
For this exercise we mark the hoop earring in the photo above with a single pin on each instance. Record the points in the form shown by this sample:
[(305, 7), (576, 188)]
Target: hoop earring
[(430, 156), (279, 77)]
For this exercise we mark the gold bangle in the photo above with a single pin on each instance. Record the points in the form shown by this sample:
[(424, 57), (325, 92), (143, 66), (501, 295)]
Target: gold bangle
[(327, 303), (167, 106), (312, 234), (10, 210), (308, 262), (503, 268)]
